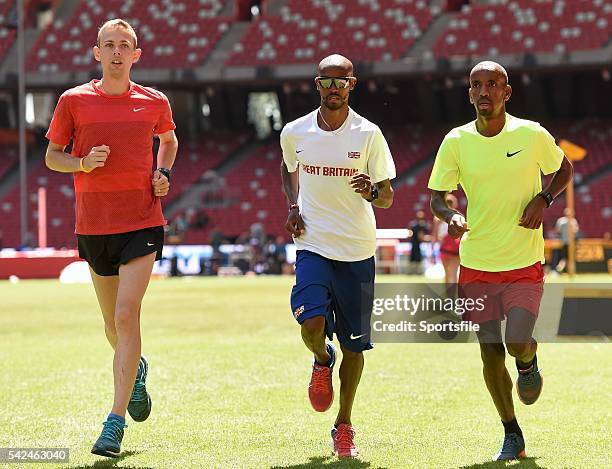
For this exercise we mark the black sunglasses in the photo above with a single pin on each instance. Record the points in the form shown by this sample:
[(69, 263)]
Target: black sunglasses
[(339, 82)]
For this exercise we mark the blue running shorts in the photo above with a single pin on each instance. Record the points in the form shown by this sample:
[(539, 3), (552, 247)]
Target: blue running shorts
[(340, 291)]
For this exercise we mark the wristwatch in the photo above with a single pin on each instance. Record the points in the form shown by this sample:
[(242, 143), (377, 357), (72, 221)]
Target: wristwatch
[(547, 196), (166, 172), (374, 194)]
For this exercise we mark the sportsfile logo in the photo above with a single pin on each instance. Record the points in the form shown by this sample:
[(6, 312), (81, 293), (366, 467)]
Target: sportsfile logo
[(298, 311), (354, 154)]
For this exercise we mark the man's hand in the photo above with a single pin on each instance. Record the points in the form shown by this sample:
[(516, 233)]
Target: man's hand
[(457, 226), (295, 223), (160, 184), (533, 214), (96, 158), (362, 184)]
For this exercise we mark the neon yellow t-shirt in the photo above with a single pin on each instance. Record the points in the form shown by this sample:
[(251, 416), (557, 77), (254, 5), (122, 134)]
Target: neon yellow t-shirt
[(500, 176)]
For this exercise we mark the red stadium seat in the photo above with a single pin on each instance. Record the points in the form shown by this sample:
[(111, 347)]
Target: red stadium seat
[(306, 30), (7, 33), (172, 34), (524, 26), (193, 160)]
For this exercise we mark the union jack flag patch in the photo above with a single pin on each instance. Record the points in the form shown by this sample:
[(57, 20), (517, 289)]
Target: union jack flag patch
[(298, 311), (354, 154)]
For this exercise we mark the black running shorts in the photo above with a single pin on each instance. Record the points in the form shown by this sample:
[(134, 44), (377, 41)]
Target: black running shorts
[(105, 253)]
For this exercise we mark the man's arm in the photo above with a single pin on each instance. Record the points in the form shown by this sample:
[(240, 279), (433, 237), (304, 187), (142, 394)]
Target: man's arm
[(57, 160), (166, 154), (290, 183), (456, 221), (291, 188), (363, 186), (534, 212), (439, 207), (168, 146), (561, 178), (385, 194)]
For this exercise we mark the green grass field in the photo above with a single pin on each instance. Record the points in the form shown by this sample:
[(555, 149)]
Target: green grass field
[(228, 379)]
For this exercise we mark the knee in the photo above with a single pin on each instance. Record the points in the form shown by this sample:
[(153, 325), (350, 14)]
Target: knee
[(110, 328), (126, 319), (350, 356), (493, 355), (517, 350), (313, 327)]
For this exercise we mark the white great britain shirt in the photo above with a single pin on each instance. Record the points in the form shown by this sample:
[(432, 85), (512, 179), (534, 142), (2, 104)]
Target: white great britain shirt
[(339, 223)]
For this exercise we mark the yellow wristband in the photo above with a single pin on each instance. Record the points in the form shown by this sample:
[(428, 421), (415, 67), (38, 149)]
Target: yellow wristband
[(81, 165)]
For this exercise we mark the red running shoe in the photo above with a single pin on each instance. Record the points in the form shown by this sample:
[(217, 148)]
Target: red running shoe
[(320, 388), (343, 439)]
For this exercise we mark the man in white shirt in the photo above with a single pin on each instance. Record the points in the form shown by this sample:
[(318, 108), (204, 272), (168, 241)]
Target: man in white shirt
[(336, 165)]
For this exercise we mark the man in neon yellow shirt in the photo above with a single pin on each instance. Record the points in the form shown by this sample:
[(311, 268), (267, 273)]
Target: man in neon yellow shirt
[(498, 160)]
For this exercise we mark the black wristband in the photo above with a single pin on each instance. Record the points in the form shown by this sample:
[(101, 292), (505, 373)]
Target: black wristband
[(374, 195), (448, 218), (166, 172), (548, 198)]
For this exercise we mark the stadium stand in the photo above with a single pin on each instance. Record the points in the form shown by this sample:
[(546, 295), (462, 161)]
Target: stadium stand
[(365, 30), (411, 144), (8, 159), (194, 159), (258, 198), (179, 34), (197, 156), (256, 195), (593, 207), (526, 26), (7, 33), (595, 135), (60, 207)]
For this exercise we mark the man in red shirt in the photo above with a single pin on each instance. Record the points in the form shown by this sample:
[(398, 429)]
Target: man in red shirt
[(119, 222)]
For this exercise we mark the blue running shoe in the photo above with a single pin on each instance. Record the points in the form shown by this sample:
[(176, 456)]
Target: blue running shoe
[(109, 442), (529, 383), (513, 447), (140, 403)]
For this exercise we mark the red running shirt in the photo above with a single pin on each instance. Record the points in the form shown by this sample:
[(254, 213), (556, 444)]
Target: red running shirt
[(118, 197)]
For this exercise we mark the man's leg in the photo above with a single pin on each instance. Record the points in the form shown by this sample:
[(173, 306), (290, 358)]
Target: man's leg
[(133, 281), (313, 335), (106, 290), (350, 375), (499, 384), (519, 341), (522, 346), (353, 293), (124, 334), (494, 370), (320, 388), (311, 306), (451, 272)]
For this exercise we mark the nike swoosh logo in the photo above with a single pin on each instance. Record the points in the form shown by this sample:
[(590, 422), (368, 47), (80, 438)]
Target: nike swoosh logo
[(512, 154), (150, 244), (137, 109), (299, 151), (355, 337)]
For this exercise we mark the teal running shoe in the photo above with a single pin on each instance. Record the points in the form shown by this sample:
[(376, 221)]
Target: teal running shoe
[(140, 403), (513, 447), (109, 442), (529, 383)]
